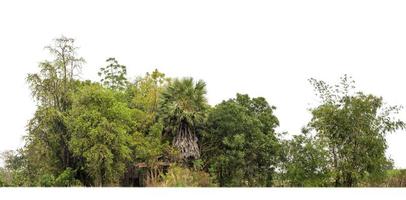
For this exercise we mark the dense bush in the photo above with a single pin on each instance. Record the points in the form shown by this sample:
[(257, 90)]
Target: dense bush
[(395, 178), (184, 177)]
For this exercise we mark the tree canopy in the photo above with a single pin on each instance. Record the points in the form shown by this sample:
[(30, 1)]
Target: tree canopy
[(240, 143), (353, 129), (161, 131)]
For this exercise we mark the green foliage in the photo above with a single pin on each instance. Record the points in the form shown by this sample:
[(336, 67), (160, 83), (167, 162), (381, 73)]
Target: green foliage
[(184, 177), (144, 95), (152, 152), (353, 127), (50, 87), (2, 181), (100, 123), (150, 147), (46, 150), (159, 131), (241, 146), (47, 141), (183, 110), (113, 75), (395, 178), (67, 179), (147, 90), (305, 163), (46, 180), (15, 171)]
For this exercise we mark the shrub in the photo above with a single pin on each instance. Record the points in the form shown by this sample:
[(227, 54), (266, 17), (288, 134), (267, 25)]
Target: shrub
[(46, 180), (66, 179), (396, 178), (183, 177)]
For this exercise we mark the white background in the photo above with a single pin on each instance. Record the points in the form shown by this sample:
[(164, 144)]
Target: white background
[(263, 48), (202, 193)]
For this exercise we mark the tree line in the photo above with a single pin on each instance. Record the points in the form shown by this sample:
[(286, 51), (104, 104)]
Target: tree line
[(161, 131)]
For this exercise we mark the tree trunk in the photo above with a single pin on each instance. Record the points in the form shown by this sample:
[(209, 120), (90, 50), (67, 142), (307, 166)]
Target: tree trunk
[(186, 141)]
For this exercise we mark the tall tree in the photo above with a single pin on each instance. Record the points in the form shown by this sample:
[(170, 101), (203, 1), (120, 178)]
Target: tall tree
[(240, 146), (353, 126), (100, 123), (52, 88), (113, 75), (151, 151), (183, 110), (145, 94)]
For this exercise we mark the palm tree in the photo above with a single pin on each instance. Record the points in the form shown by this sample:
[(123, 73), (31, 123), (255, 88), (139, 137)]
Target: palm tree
[(183, 107)]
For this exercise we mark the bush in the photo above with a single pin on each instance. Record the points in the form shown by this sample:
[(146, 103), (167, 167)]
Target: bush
[(46, 180), (67, 179), (1, 180), (184, 177), (396, 178)]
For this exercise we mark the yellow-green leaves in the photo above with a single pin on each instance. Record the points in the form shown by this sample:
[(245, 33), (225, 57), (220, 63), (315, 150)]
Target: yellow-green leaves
[(100, 125)]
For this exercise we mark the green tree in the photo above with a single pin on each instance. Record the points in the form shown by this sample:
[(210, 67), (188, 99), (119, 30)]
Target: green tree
[(147, 91), (67, 179), (100, 123), (183, 109), (47, 141), (241, 146), (305, 162), (144, 95), (113, 75), (51, 86), (15, 171), (151, 151), (152, 154), (353, 127), (2, 177)]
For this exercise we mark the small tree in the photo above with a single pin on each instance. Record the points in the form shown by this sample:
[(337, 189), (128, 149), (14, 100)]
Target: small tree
[(305, 162)]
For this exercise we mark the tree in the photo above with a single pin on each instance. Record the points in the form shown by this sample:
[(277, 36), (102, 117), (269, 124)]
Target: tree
[(353, 126), (144, 95), (52, 88), (152, 154), (100, 123), (151, 151), (305, 162), (240, 145), (52, 85), (159, 131), (14, 172), (183, 110), (113, 75)]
